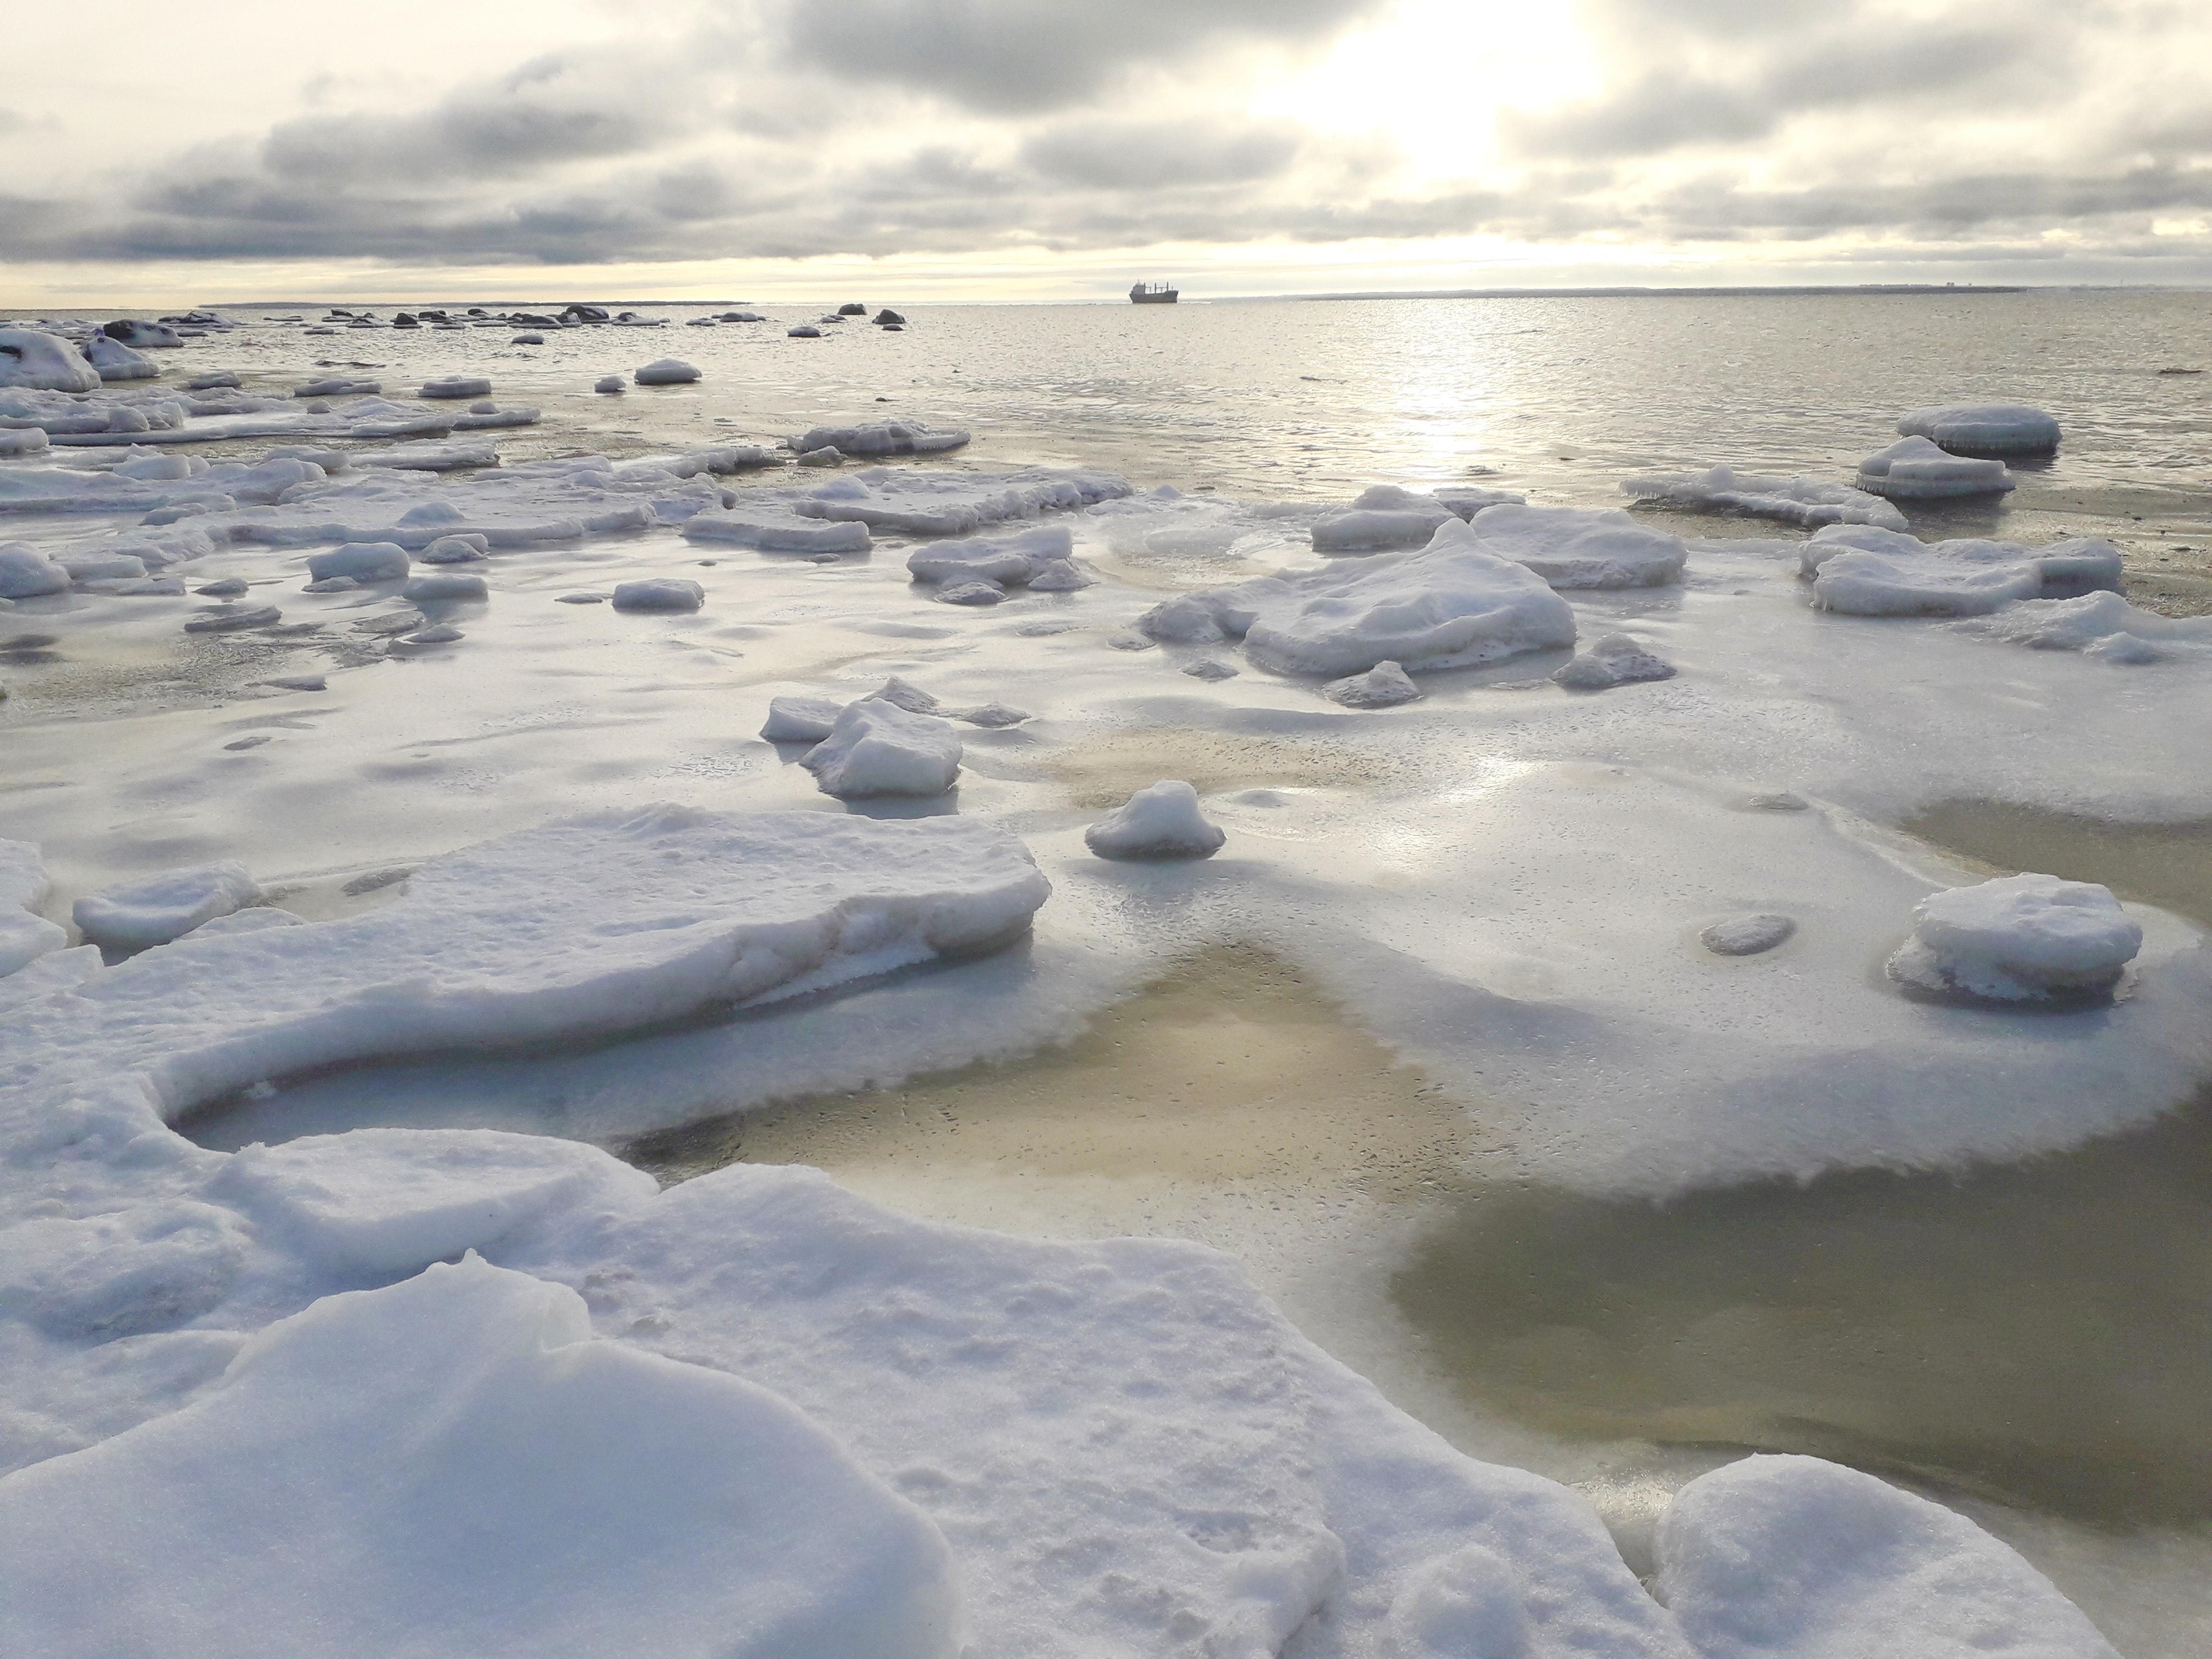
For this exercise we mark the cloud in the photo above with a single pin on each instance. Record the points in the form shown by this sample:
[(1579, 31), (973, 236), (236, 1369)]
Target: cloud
[(1009, 57), (1158, 155)]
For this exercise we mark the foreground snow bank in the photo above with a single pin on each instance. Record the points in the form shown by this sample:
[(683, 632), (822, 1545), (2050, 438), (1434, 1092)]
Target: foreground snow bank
[(454, 1465)]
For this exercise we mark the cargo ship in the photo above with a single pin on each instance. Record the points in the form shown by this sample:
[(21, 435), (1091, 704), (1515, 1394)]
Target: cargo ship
[(1154, 294)]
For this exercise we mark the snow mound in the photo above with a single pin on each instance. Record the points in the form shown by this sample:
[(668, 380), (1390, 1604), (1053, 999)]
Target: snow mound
[(373, 1475), (1806, 502), (27, 574), (452, 455), (1383, 686), (447, 585), (134, 915), (456, 549), (659, 593), (1580, 547), (1861, 570), (2019, 939), (1163, 822), (25, 936), (1454, 602), (882, 438), (140, 332), (877, 748), (2102, 625), (1791, 1558), (1984, 429), (1916, 469), (1614, 659), (582, 928), (666, 371), (117, 361), (1009, 560), (33, 358)]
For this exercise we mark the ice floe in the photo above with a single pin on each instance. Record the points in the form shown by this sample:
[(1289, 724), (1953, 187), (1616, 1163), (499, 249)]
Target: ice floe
[(659, 593), (137, 914), (1806, 502), (1916, 469), (666, 371), (1862, 570), (456, 386), (26, 573), (1383, 686), (1577, 547), (33, 358), (1161, 822), (882, 438), (2019, 939), (877, 748), (1984, 429)]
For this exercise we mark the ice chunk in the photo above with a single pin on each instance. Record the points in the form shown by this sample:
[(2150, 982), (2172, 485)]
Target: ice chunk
[(437, 633), (33, 358), (255, 919), (825, 456), (2101, 625), (804, 331), (1748, 936), (117, 361), (25, 938), (1792, 1557), (2019, 939), (26, 573), (21, 441), (454, 455), (877, 748), (666, 371), (910, 502), (138, 331), (100, 566), (992, 716), (444, 585), (454, 1467), (605, 382), (1984, 429), (1454, 603), (149, 1267), (1614, 659), (1210, 668), (1580, 547), (362, 561), (1467, 500), (1470, 1604), (218, 380), (1808, 501), (1383, 686), (24, 883), (456, 549), (726, 458), (1187, 619), (1007, 560), (1163, 822), (1915, 469), (775, 532), (457, 386), (1868, 572), (800, 719), (971, 593), (659, 593), (1383, 517), (133, 915)]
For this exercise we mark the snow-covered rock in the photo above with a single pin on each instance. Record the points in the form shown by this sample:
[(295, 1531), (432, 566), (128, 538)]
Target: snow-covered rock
[(1575, 547), (1612, 660), (1916, 469), (134, 915), (2102, 625), (1163, 822), (216, 380), (659, 593), (877, 748), (26, 573), (455, 1467), (449, 455), (1862, 570), (605, 382), (456, 549), (1009, 560), (117, 361), (360, 562), (1454, 603), (33, 358), (2019, 939), (970, 594), (1793, 1557), (882, 438), (1383, 686), (1806, 502), (666, 371), (456, 386), (1984, 429), (145, 335), (800, 719), (21, 441)]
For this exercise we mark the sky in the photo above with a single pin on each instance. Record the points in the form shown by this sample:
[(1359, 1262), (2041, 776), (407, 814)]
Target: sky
[(1047, 150)]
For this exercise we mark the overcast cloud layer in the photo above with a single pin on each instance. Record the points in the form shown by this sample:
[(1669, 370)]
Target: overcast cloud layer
[(2070, 141)]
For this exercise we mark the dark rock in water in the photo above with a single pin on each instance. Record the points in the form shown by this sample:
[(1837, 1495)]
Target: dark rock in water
[(889, 318), (580, 315), (850, 309)]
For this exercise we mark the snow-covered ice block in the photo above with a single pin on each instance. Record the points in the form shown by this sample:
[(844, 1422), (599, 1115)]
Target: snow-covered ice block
[(970, 594), (1580, 547), (878, 748), (800, 719), (26, 573), (605, 382), (456, 386), (25, 938), (1383, 517), (884, 439), (659, 593), (1011, 561), (666, 371), (2102, 625), (1453, 604), (1612, 659), (725, 458), (1808, 501), (1059, 576), (453, 455), (444, 585), (911, 502), (2019, 939), (1186, 619), (455, 1467), (1468, 500), (1792, 1557), (1916, 469), (1163, 822), (1865, 571), (142, 333), (1383, 686), (117, 361), (216, 381), (362, 561), (33, 358), (24, 883), (100, 566), (905, 694), (776, 533), (582, 928), (135, 915), (235, 619), (1984, 429), (456, 549)]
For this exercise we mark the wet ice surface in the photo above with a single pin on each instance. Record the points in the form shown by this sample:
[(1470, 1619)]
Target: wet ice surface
[(1503, 884)]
